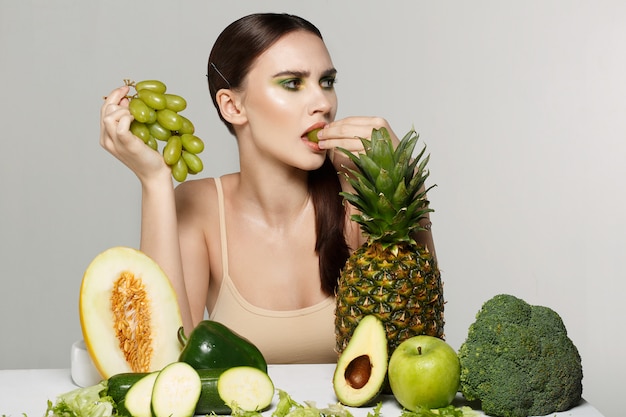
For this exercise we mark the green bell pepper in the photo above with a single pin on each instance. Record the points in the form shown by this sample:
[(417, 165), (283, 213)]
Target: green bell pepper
[(212, 345)]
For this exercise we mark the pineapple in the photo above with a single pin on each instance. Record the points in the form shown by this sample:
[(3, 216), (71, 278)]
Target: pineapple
[(390, 276)]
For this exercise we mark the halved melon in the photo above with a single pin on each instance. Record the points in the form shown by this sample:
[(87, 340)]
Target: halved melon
[(129, 314)]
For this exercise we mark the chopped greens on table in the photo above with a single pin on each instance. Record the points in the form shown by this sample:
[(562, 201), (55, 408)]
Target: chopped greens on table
[(88, 402)]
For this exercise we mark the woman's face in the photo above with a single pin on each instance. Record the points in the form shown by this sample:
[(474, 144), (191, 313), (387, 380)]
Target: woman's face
[(289, 91)]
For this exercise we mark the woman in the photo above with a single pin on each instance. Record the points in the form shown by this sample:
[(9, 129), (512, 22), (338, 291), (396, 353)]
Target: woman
[(260, 249)]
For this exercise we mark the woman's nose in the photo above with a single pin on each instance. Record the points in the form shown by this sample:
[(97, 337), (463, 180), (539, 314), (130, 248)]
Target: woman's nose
[(322, 101)]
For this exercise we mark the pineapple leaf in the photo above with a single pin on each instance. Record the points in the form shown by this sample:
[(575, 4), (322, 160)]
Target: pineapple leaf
[(419, 208), (382, 149), (356, 159), (400, 195), (411, 168), (386, 209), (384, 183), (421, 168), (406, 146), (368, 167), (418, 181), (364, 189), (372, 228), (399, 172), (360, 204)]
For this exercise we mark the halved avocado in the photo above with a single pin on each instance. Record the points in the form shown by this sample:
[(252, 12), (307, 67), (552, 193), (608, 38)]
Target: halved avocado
[(362, 367), (129, 313)]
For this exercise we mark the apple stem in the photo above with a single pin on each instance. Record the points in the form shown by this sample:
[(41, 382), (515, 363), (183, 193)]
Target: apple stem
[(419, 350)]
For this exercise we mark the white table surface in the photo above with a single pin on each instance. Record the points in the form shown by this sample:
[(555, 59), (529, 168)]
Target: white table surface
[(27, 391)]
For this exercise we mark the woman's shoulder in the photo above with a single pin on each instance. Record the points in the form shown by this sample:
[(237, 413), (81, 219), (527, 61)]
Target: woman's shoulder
[(196, 196), (202, 191), (192, 188)]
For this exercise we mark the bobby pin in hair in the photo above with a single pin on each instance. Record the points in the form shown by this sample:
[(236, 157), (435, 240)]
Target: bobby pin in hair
[(220, 74)]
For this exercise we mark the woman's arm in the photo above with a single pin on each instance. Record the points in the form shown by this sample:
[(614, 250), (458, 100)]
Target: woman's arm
[(160, 237), (192, 204), (159, 228)]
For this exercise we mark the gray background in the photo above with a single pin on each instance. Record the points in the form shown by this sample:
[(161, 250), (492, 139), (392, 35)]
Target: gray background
[(521, 104)]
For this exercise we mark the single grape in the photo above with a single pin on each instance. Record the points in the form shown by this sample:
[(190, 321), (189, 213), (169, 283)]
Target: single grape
[(159, 132), (192, 143), (312, 135), (193, 162), (152, 85), (180, 170), (152, 99), (172, 150), (169, 119), (175, 103), (187, 126), (152, 143), (152, 116), (140, 130), (140, 111)]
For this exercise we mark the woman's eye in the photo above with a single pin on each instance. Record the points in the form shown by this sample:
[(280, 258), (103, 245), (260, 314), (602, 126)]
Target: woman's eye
[(328, 83), (292, 84)]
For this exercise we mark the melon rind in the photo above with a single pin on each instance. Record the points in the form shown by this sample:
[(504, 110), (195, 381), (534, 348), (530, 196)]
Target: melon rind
[(96, 317)]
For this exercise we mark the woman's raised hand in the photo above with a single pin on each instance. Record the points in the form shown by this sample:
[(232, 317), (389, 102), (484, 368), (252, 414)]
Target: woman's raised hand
[(115, 137), (346, 134)]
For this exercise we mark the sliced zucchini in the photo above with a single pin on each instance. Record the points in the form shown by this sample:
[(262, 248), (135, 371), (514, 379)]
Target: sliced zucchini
[(176, 391), (245, 387), (210, 401), (139, 397)]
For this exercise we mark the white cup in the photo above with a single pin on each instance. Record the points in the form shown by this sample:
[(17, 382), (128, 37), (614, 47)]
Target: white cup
[(83, 371)]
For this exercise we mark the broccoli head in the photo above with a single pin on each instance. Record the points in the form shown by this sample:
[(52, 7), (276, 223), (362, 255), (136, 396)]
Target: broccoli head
[(518, 361)]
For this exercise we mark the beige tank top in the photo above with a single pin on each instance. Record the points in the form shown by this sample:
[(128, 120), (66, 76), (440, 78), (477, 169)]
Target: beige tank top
[(293, 336)]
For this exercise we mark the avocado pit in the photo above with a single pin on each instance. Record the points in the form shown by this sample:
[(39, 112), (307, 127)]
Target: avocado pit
[(358, 371)]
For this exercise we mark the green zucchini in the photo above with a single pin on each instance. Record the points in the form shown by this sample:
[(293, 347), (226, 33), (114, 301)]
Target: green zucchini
[(176, 391), (138, 399), (210, 401), (119, 384), (246, 387)]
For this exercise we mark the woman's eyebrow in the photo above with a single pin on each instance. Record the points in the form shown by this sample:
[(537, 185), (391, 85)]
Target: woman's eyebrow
[(331, 72), (304, 74)]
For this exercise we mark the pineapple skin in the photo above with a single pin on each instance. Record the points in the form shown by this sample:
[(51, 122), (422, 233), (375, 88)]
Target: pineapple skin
[(400, 284)]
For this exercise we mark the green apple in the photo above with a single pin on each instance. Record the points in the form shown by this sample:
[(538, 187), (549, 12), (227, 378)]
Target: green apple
[(424, 371)]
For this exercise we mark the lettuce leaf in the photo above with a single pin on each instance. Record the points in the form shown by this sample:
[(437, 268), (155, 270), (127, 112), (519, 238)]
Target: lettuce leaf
[(287, 407), (449, 411), (82, 402)]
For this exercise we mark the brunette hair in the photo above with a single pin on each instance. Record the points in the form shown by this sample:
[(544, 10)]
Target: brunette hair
[(232, 55)]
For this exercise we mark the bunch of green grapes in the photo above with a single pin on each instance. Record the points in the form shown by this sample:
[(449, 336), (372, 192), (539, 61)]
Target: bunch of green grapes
[(157, 118)]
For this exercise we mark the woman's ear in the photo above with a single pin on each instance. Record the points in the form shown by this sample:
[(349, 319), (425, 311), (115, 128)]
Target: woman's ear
[(230, 107)]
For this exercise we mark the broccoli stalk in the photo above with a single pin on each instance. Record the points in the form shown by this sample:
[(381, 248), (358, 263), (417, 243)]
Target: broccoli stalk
[(518, 361)]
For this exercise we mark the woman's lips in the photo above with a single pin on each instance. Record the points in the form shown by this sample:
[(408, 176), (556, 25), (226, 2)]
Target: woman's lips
[(311, 133), (312, 145), (310, 136)]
